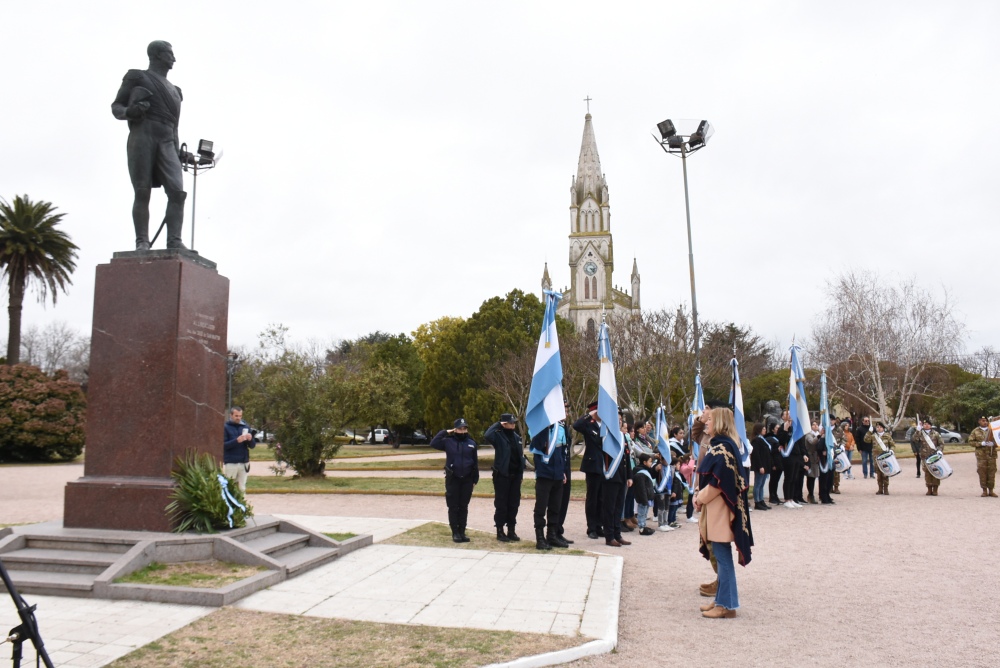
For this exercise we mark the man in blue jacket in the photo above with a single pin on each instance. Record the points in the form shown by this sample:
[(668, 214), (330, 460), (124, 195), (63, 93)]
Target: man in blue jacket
[(550, 479), (508, 473), (461, 473), (237, 440)]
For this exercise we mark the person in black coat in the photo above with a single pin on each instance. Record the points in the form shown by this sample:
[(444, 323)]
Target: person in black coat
[(867, 463), (613, 493), (550, 478), (508, 473), (760, 462), (589, 426), (461, 473), (774, 438)]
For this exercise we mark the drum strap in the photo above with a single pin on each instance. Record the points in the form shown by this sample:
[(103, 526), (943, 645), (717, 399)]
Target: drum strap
[(878, 439), (930, 443)]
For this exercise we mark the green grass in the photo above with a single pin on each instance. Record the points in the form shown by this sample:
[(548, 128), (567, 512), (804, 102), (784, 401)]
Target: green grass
[(390, 464), (412, 486), (340, 536), (437, 534), (202, 574), (264, 452)]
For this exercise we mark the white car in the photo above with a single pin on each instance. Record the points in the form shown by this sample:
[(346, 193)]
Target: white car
[(948, 436), (378, 436)]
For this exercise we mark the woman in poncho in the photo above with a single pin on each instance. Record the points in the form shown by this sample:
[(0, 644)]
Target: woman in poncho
[(725, 518)]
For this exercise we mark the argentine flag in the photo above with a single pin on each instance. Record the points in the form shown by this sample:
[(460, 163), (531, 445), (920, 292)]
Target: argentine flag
[(663, 445), (797, 408), (697, 407), (736, 401), (545, 398), (824, 419), (607, 406)]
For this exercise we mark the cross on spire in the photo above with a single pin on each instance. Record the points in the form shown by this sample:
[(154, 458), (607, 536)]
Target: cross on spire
[(587, 100)]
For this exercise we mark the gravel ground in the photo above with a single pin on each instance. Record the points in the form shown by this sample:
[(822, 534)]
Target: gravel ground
[(903, 580)]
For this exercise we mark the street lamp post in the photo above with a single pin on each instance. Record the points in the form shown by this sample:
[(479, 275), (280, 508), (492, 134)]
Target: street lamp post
[(683, 139)]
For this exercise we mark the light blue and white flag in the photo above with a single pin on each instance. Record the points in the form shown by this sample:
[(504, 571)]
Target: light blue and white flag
[(736, 401), (545, 398), (607, 406), (663, 445), (797, 409), (824, 419), (697, 408)]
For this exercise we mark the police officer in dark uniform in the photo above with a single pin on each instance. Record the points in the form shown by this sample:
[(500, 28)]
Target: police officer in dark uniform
[(592, 465), (508, 474), (550, 478), (461, 473)]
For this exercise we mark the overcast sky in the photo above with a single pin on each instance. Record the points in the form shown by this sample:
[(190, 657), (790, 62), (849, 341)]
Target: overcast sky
[(387, 164)]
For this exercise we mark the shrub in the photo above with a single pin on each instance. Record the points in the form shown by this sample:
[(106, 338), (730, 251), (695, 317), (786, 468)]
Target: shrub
[(198, 503), (42, 417)]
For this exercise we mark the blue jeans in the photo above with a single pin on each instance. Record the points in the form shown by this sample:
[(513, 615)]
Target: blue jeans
[(726, 596), (867, 463), (641, 513), (759, 483)]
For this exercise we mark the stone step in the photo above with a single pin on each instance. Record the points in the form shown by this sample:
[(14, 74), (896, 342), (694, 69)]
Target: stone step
[(307, 558), (258, 531), (48, 583), (115, 545), (62, 561), (274, 544)]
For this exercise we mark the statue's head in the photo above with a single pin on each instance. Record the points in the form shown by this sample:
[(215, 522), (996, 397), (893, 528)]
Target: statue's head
[(161, 52)]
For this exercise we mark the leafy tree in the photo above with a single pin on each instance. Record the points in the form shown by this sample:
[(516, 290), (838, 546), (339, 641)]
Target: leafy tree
[(42, 417), (32, 247), (440, 345), (967, 402), (294, 395)]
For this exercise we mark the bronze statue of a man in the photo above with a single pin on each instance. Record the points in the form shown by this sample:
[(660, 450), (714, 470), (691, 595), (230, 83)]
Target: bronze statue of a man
[(152, 107)]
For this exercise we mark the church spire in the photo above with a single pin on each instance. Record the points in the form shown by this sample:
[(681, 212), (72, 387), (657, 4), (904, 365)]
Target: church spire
[(546, 281), (589, 177)]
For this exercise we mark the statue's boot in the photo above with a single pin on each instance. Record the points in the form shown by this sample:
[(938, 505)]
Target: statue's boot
[(174, 218), (140, 218)]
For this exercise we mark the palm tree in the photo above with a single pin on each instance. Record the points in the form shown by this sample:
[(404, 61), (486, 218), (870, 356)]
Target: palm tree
[(31, 246)]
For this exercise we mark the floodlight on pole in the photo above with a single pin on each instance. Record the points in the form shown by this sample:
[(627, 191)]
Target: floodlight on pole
[(683, 138), (205, 159)]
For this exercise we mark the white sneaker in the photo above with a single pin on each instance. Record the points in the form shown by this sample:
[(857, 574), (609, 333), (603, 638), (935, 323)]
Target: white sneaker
[(666, 527), (797, 504), (692, 520), (789, 504)]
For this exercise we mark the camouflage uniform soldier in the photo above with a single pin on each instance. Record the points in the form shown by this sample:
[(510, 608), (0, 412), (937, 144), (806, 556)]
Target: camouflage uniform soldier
[(886, 438), (986, 455), (837, 430), (918, 441)]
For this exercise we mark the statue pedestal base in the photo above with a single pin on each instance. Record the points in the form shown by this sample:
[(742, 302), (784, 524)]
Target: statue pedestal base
[(157, 385)]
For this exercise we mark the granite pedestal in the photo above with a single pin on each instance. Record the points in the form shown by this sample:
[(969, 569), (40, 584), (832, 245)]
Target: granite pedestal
[(157, 385)]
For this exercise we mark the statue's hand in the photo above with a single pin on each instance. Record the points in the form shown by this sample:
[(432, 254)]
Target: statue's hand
[(137, 110)]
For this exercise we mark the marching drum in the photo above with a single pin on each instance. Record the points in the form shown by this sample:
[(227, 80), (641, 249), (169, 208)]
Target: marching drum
[(887, 463), (841, 463), (938, 467)]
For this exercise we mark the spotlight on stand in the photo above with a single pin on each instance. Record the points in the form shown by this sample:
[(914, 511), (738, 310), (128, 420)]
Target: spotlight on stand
[(666, 128), (206, 158)]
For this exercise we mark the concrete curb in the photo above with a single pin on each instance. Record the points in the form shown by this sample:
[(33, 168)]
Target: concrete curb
[(604, 645)]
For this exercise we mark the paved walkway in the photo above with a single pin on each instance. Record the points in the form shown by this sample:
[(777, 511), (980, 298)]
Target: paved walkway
[(536, 593)]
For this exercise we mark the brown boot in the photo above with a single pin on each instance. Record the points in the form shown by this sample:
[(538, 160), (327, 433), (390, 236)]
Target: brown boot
[(706, 608), (709, 589), (929, 492), (985, 493), (935, 491), (718, 612), (992, 493)]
